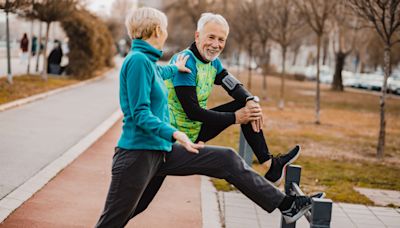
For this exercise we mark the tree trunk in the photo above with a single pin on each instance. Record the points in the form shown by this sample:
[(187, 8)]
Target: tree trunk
[(264, 70), (45, 63), (249, 65), (28, 69), (9, 75), (38, 46), (239, 64), (295, 53), (317, 97), (282, 94), (337, 83), (326, 44), (382, 132)]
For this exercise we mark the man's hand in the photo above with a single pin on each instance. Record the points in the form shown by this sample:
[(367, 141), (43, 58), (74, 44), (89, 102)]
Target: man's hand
[(184, 140), (181, 62), (248, 113), (255, 124)]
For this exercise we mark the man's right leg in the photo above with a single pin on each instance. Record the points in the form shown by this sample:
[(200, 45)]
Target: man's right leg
[(224, 163), (131, 173), (256, 141)]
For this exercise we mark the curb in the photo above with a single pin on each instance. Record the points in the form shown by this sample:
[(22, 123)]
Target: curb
[(209, 204), (21, 194), (22, 101)]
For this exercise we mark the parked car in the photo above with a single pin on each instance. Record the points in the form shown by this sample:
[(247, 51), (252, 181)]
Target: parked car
[(325, 73), (394, 84), (350, 79), (371, 81)]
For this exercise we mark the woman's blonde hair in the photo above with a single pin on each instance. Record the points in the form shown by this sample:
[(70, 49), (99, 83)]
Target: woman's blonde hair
[(142, 22)]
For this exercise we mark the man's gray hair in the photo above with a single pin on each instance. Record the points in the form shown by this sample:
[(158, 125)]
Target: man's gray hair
[(212, 17)]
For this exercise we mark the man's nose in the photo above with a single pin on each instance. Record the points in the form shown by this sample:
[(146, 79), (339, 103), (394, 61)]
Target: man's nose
[(215, 44)]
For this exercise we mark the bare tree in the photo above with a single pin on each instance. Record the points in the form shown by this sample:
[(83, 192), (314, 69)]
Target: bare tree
[(262, 29), (236, 32), (183, 16), (344, 35), (316, 14), (10, 6), (286, 23), (191, 8), (248, 14), (384, 16), (50, 11)]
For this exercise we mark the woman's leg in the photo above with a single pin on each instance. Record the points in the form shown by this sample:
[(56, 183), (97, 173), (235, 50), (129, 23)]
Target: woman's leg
[(148, 194), (224, 163), (131, 173)]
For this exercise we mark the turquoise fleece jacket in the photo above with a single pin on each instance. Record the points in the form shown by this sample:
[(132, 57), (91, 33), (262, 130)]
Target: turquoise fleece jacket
[(144, 100)]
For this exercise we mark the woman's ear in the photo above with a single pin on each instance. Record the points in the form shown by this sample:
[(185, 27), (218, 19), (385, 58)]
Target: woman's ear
[(157, 32)]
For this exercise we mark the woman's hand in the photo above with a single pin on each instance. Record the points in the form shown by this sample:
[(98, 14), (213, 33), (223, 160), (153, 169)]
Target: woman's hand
[(185, 142), (181, 62)]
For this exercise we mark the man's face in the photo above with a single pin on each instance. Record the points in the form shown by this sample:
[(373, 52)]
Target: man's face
[(210, 41)]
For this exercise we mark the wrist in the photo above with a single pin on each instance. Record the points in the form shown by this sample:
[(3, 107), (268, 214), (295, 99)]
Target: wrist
[(253, 98)]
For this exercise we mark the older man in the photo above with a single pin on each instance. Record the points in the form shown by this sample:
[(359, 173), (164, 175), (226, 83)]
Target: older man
[(189, 92)]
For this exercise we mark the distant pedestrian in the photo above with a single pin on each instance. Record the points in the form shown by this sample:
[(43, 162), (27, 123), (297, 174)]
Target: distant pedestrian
[(34, 45), (24, 44), (55, 58)]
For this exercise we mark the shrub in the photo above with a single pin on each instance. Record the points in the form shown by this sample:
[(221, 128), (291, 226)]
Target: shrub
[(90, 43)]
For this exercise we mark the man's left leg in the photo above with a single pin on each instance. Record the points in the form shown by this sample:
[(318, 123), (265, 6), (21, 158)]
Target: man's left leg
[(255, 140)]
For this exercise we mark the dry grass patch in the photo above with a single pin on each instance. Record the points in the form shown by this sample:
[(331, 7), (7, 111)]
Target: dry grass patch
[(344, 145), (28, 85)]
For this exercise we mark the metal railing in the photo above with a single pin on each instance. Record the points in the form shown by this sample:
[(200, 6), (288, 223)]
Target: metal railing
[(245, 150), (321, 210)]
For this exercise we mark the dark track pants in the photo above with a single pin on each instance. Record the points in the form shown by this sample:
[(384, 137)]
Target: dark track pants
[(138, 175), (256, 140)]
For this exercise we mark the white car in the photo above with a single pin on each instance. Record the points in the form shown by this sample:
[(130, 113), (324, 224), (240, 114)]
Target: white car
[(325, 73), (394, 84), (371, 81)]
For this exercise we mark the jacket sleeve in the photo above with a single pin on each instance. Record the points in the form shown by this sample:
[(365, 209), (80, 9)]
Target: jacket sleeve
[(239, 93), (167, 71), (140, 77), (188, 98)]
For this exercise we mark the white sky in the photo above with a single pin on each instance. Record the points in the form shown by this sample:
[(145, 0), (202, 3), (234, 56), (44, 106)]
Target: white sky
[(100, 6)]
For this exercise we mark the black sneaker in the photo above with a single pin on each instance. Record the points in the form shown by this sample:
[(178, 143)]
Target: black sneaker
[(278, 164), (319, 195), (300, 206)]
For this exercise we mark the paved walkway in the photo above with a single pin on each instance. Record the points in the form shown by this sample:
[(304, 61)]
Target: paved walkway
[(39, 132), (76, 196), (239, 212)]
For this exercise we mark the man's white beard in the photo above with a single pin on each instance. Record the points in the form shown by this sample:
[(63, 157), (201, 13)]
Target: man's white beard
[(209, 58)]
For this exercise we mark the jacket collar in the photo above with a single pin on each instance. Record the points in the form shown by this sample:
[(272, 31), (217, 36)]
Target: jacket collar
[(151, 52)]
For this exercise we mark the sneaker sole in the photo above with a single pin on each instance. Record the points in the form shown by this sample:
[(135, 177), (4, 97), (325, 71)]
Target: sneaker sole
[(278, 182), (296, 217)]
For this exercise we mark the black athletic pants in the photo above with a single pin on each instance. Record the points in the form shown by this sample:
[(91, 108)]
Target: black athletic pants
[(137, 176), (256, 140)]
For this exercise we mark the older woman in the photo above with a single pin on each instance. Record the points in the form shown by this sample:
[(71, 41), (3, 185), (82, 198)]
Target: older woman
[(146, 154)]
